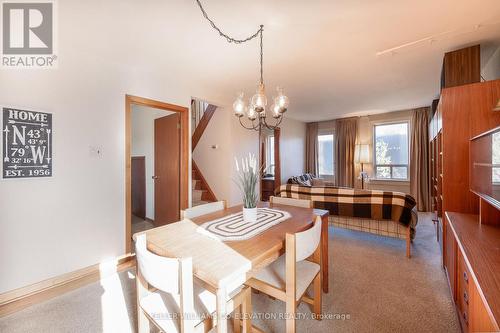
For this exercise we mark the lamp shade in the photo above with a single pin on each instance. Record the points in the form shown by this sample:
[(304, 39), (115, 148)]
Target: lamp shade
[(362, 153)]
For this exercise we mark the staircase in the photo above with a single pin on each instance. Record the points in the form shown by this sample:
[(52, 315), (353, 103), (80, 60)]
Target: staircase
[(201, 191)]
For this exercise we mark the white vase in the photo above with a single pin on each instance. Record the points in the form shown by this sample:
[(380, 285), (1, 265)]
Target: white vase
[(250, 214)]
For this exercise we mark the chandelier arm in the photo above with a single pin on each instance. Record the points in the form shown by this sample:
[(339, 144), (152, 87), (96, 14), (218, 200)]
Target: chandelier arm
[(227, 37), (253, 127), (273, 127)]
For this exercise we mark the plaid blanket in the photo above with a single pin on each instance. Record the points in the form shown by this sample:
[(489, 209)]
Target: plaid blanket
[(371, 204)]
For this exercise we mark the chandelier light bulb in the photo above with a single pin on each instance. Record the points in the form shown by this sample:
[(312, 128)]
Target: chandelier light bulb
[(239, 106), (251, 114), (276, 111), (259, 100), (282, 101)]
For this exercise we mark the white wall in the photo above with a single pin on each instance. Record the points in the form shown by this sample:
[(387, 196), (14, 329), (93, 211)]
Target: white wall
[(224, 131), (365, 135), (76, 218), (143, 144), (292, 148)]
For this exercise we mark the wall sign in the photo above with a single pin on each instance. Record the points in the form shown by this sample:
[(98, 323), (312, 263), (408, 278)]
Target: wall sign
[(27, 144)]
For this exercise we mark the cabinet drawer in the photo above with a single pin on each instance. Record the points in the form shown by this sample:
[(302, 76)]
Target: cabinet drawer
[(268, 185), (463, 291)]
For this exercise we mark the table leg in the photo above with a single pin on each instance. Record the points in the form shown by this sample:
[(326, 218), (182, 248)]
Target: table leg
[(221, 310), (324, 251)]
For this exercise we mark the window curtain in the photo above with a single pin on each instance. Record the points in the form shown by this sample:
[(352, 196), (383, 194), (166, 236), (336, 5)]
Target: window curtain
[(312, 148), (345, 132), (419, 158)]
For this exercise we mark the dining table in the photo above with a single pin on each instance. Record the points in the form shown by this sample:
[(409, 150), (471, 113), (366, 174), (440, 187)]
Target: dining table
[(221, 266)]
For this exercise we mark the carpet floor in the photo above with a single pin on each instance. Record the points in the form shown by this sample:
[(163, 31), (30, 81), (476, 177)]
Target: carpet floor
[(373, 288)]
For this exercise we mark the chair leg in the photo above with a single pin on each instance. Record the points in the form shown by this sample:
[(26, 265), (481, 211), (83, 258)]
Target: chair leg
[(291, 310), (408, 243), (317, 296), (237, 319), (143, 324), (247, 312)]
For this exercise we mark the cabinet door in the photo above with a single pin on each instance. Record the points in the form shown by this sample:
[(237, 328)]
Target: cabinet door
[(450, 258), (480, 320)]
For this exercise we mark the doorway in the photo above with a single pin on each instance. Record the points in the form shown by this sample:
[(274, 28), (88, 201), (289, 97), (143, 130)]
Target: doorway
[(156, 164)]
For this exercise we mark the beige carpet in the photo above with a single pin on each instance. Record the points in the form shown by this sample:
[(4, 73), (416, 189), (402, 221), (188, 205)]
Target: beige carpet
[(374, 288)]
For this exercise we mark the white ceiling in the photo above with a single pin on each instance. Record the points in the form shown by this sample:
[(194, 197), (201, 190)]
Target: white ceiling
[(324, 53)]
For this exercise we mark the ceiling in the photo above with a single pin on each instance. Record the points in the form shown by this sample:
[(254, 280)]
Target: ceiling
[(324, 53)]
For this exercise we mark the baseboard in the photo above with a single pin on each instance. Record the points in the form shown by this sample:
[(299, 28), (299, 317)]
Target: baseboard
[(21, 298)]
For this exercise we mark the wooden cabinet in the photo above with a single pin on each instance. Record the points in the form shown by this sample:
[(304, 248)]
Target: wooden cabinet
[(450, 258), (474, 271), (461, 67), (267, 188), (463, 291)]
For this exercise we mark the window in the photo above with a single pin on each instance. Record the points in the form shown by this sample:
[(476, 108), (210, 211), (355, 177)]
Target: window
[(391, 151), (270, 155), (325, 155)]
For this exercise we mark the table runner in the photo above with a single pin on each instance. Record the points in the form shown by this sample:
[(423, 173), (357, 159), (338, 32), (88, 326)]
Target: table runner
[(233, 228)]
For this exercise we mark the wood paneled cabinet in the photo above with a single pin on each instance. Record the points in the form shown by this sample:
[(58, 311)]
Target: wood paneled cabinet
[(267, 188), (463, 238), (450, 258)]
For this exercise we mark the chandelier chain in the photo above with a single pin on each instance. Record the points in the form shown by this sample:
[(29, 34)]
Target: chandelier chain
[(261, 55), (238, 41), (227, 37)]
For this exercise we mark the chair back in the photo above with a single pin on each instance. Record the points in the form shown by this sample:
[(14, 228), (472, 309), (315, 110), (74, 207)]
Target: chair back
[(160, 272), (291, 202), (306, 242), (203, 209)]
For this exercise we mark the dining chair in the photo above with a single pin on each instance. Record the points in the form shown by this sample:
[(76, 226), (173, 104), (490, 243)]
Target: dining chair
[(168, 298), (291, 202), (207, 208), (289, 276)]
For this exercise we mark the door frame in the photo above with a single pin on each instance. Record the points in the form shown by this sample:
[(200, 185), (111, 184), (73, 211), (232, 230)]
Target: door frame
[(184, 156)]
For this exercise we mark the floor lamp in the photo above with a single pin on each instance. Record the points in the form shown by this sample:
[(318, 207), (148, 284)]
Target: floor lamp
[(362, 156)]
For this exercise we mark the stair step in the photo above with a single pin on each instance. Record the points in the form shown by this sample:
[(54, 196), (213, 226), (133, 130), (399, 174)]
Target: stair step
[(199, 202), (197, 195)]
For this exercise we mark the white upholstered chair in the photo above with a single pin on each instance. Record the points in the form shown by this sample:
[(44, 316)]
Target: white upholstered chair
[(207, 208), (289, 277), (168, 298), (291, 202)]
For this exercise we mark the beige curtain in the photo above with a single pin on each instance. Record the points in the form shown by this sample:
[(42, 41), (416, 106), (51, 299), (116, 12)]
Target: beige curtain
[(345, 132), (312, 148), (419, 158)]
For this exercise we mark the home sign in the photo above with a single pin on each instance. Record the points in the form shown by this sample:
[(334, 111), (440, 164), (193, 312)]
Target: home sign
[(27, 144)]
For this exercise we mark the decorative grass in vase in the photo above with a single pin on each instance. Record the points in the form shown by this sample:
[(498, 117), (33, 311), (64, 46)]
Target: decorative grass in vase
[(248, 177)]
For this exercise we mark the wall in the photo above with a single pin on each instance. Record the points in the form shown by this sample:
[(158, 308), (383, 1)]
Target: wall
[(292, 148), (76, 218), (143, 145), (365, 135), (218, 166)]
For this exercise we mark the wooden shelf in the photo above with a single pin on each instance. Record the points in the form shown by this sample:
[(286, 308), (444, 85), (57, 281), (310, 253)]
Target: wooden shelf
[(480, 245)]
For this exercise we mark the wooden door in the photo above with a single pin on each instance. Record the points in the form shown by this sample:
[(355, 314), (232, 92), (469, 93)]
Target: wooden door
[(167, 169), (138, 183)]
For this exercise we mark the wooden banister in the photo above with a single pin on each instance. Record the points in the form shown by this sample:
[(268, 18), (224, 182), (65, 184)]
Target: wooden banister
[(202, 125)]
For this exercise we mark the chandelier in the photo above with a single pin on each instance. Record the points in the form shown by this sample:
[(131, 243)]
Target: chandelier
[(255, 111)]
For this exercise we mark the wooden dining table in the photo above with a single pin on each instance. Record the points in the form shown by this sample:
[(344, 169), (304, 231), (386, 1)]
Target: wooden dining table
[(221, 266)]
